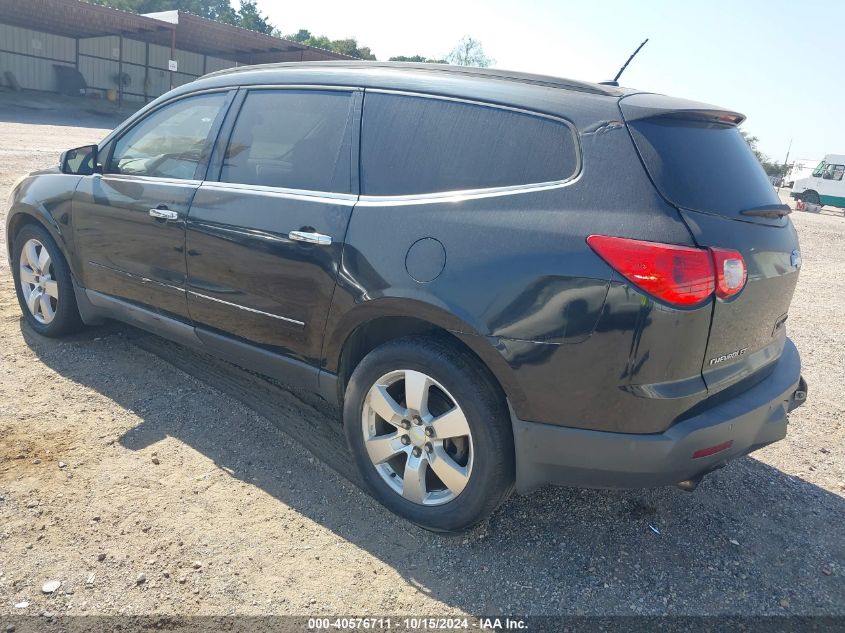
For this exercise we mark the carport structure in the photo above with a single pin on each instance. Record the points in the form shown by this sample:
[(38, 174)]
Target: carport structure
[(129, 53)]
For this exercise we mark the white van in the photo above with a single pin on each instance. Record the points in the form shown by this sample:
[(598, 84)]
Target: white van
[(825, 185), (800, 168)]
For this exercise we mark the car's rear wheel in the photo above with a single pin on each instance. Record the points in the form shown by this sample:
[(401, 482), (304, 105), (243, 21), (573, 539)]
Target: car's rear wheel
[(43, 283), (811, 196), (430, 433)]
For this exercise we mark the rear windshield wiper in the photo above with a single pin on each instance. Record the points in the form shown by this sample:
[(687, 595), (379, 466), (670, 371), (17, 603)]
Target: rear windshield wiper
[(768, 211)]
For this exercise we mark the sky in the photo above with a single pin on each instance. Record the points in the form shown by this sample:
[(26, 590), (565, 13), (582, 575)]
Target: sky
[(781, 63)]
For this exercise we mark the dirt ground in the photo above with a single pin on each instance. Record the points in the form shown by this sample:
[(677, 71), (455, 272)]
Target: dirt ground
[(148, 479)]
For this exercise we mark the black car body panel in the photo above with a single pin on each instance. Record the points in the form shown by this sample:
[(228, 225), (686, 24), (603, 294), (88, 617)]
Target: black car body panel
[(741, 213), (752, 325), (123, 252), (44, 196), (288, 286), (584, 457), (506, 270)]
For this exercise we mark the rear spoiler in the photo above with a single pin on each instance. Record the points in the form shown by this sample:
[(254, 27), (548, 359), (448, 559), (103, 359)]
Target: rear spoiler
[(645, 105)]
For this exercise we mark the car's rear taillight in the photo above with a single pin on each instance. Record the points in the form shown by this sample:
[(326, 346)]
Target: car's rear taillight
[(680, 275), (731, 272)]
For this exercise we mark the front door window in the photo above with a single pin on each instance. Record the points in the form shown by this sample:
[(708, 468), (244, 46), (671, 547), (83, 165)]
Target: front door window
[(169, 143)]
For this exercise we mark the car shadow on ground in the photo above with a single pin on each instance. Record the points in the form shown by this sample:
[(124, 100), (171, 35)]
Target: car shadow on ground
[(750, 540)]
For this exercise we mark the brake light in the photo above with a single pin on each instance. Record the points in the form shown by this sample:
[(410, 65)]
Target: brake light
[(731, 272), (679, 275)]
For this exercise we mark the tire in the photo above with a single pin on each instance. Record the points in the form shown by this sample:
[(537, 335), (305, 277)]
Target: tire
[(811, 196), (478, 464), (45, 295)]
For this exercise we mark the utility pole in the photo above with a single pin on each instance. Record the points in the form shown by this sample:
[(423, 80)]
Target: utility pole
[(785, 162)]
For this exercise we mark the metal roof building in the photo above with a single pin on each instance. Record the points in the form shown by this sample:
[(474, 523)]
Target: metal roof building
[(52, 44)]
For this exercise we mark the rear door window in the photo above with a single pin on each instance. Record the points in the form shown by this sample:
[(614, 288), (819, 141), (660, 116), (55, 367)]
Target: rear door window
[(702, 165), (418, 145), (293, 139)]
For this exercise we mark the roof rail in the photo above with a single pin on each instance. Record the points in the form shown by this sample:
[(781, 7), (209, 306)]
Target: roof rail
[(491, 73)]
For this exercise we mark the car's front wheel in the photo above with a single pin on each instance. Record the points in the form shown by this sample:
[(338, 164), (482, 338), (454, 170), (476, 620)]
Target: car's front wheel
[(430, 433), (43, 283)]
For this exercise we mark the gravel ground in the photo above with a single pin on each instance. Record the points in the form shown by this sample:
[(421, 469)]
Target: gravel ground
[(135, 474)]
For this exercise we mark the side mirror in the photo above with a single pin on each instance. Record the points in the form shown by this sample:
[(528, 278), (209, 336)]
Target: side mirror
[(81, 161)]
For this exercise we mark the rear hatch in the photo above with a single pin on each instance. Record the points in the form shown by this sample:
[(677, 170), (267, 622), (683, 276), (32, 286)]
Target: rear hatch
[(700, 163)]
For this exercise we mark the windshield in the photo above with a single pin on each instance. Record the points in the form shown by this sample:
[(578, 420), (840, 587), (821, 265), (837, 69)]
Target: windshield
[(702, 165), (819, 170)]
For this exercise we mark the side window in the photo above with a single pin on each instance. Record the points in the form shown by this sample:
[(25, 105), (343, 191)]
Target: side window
[(170, 142), (819, 170), (834, 172), (416, 145), (295, 139)]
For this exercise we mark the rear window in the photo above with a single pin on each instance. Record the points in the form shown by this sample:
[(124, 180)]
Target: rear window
[(702, 166), (416, 145)]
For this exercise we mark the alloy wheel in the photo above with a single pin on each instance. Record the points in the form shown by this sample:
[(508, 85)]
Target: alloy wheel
[(39, 287), (417, 437)]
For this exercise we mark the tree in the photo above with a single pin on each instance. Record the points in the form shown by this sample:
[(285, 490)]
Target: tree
[(301, 36), (350, 47), (347, 46), (770, 167), (249, 17), (417, 58), (469, 52), (753, 142)]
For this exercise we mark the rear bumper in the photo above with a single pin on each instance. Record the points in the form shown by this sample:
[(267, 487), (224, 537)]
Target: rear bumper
[(549, 454)]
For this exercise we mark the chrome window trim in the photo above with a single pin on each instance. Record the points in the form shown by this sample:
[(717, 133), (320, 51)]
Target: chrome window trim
[(246, 309), (364, 200), (486, 104), (271, 86), (150, 179), (460, 196), (347, 199), (484, 192)]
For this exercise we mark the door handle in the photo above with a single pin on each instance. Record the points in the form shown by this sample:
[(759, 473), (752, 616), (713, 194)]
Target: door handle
[(164, 214), (310, 238)]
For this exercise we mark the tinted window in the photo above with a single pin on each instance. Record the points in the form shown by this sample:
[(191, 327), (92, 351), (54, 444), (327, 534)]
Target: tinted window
[(413, 145), (297, 139), (703, 166), (171, 141)]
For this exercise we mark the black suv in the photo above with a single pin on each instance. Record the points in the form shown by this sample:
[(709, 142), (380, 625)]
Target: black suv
[(501, 279)]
